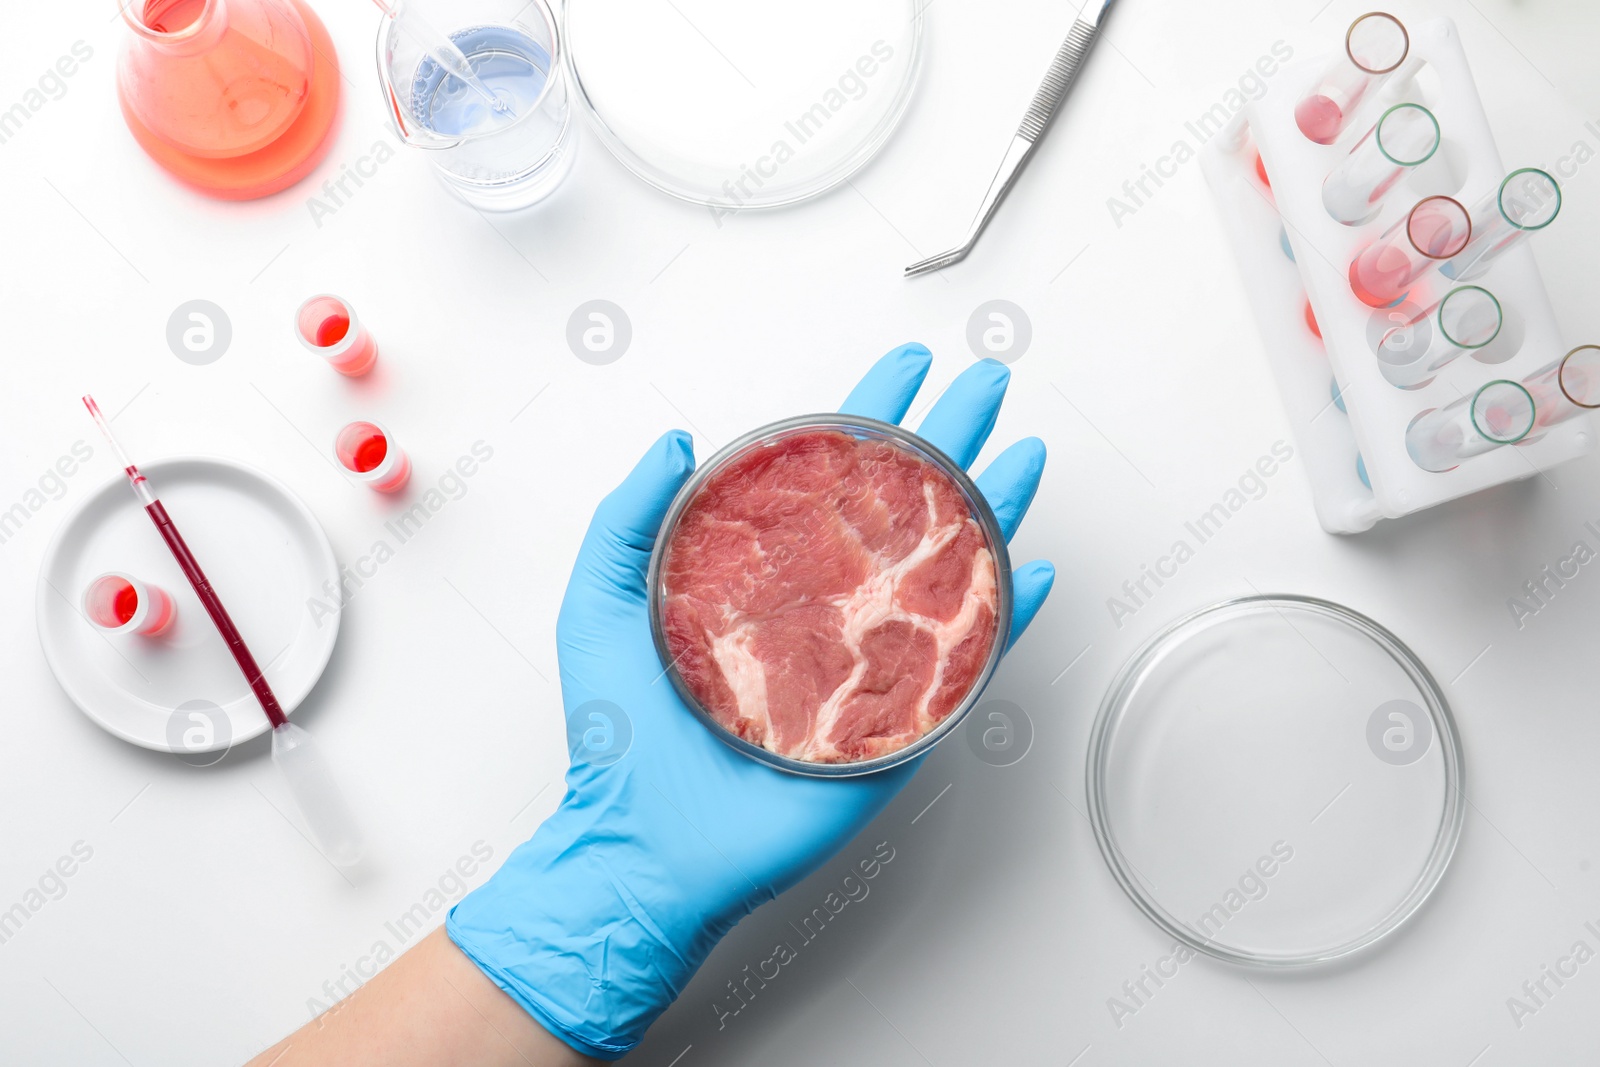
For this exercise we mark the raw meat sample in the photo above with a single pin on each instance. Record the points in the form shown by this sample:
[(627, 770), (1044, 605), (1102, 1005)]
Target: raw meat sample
[(829, 598)]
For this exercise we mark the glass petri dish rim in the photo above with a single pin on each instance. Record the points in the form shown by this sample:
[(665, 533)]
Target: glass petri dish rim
[(864, 152), (1446, 839), (863, 426)]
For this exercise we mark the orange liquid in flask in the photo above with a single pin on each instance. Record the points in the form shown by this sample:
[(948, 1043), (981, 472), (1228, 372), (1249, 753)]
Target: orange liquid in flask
[(237, 98)]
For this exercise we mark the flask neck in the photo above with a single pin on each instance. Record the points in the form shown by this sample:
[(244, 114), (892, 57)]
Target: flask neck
[(177, 27)]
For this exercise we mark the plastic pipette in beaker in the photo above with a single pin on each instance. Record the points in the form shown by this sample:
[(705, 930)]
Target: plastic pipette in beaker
[(444, 52)]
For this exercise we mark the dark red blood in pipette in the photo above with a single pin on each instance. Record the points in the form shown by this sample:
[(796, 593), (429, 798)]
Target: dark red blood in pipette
[(125, 604), (332, 330), (370, 453), (219, 614)]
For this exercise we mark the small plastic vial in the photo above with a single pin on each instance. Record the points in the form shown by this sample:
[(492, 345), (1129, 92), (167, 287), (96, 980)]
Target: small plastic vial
[(328, 326), (122, 604), (368, 453)]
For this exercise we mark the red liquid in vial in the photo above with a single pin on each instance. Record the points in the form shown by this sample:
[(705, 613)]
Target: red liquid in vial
[(125, 604), (369, 452), (1261, 171), (332, 330), (328, 326), (364, 449), (113, 602), (1319, 118)]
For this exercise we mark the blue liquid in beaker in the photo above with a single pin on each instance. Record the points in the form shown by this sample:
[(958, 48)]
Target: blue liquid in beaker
[(508, 61)]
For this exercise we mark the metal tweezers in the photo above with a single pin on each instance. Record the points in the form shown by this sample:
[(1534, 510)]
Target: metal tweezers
[(1057, 80)]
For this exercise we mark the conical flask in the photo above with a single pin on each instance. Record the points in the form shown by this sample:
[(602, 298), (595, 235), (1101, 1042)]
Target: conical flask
[(237, 98)]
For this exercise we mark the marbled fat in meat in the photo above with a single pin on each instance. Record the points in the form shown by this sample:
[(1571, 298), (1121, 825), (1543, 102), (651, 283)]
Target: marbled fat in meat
[(829, 598)]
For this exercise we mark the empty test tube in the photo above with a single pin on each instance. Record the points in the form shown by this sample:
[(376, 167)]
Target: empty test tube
[(1567, 388), (1468, 317), (328, 326), (122, 604), (369, 454), (1433, 231), (1405, 136), (1527, 201), (1374, 47), (1500, 413)]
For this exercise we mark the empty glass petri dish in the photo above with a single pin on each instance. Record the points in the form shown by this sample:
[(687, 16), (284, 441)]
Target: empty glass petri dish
[(705, 100), (1276, 780)]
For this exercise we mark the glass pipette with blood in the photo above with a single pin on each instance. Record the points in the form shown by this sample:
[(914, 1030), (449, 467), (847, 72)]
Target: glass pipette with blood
[(321, 803)]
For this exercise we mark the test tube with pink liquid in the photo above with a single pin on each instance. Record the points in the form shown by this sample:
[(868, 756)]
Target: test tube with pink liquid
[(1566, 389), (1405, 136), (1500, 413), (122, 604), (369, 454), (1433, 231), (1525, 202), (1374, 47), (327, 325)]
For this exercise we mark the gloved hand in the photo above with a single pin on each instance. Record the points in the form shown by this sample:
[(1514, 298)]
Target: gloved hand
[(597, 923)]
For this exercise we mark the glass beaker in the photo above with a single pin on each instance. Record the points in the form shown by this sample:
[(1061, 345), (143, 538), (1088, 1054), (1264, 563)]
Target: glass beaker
[(235, 97), (497, 160)]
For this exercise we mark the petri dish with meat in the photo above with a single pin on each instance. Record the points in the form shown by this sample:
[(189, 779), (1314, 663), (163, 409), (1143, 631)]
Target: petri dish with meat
[(830, 594)]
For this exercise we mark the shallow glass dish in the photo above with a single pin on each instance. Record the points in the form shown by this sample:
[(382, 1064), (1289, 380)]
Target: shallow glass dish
[(859, 427), (713, 102), (1276, 780)]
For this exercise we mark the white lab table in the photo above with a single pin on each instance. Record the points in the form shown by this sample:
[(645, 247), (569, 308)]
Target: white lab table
[(202, 925)]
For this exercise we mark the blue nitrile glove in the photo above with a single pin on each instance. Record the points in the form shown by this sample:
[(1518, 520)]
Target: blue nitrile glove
[(597, 923)]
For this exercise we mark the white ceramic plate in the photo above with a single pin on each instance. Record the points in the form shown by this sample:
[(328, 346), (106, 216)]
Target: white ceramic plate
[(265, 554)]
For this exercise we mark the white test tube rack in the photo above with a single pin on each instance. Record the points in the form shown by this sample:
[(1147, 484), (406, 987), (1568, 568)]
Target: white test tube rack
[(1372, 419)]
